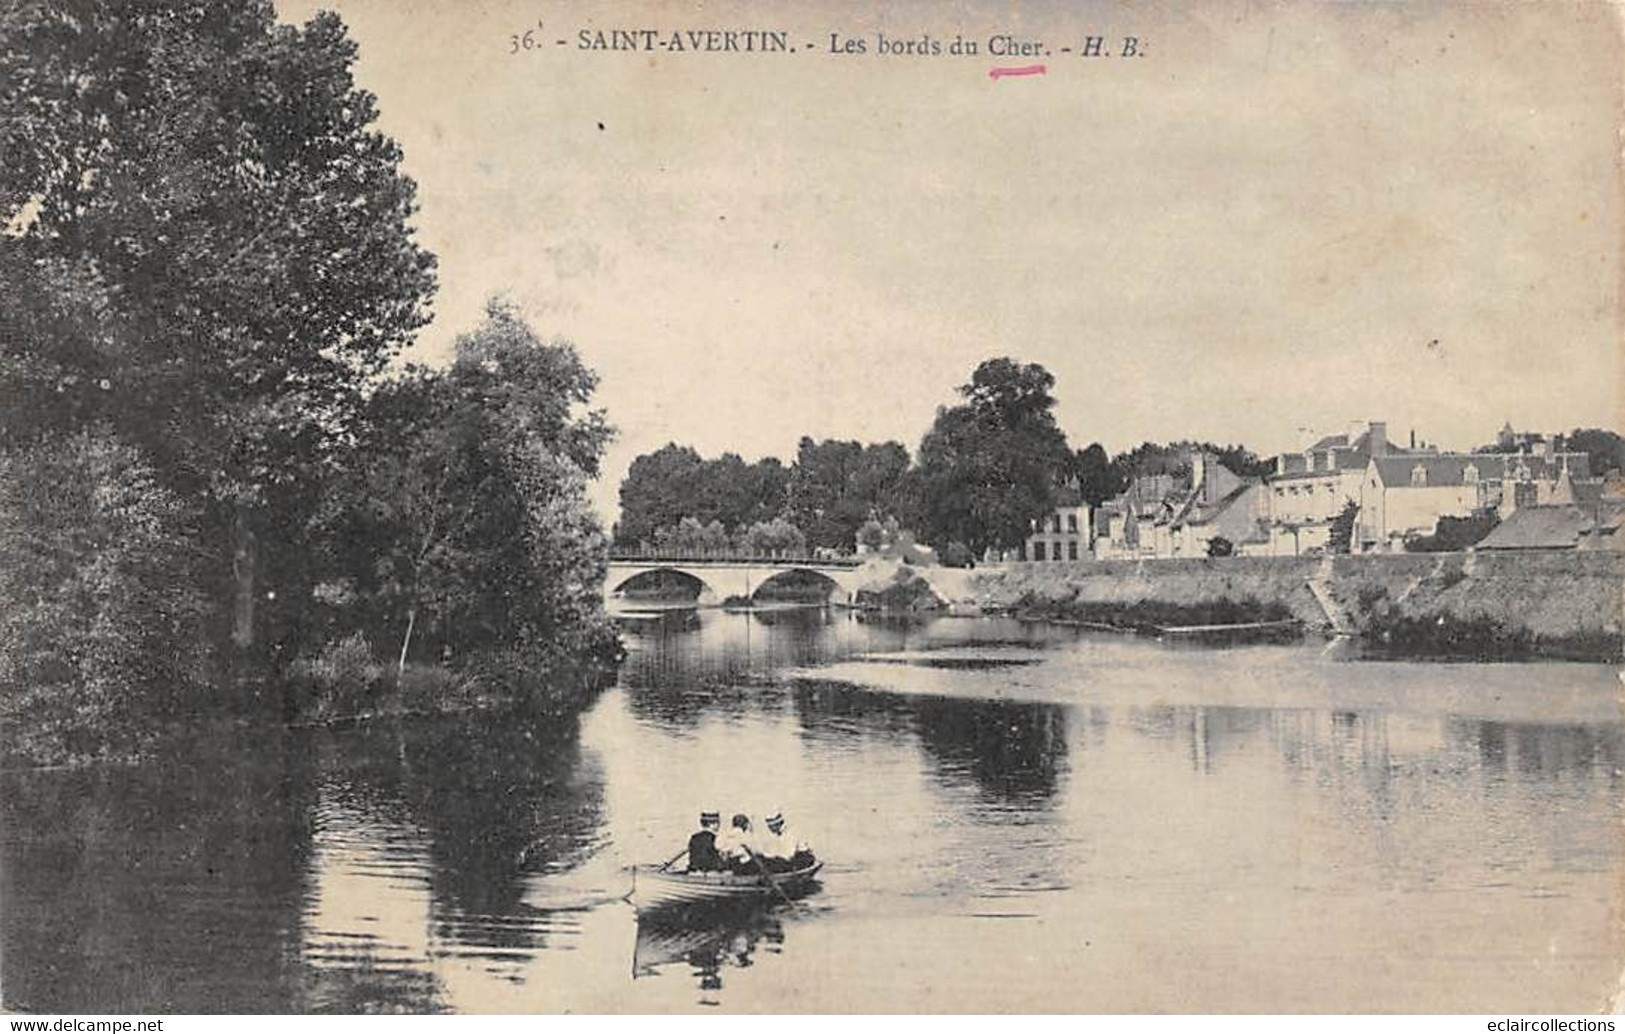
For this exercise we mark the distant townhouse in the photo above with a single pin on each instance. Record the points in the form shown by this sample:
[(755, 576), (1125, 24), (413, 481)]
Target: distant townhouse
[(1220, 505), (1119, 521), (1405, 496), (1167, 516), (1063, 534), (1311, 488)]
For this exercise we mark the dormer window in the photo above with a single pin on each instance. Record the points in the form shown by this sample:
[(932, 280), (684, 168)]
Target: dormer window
[(1470, 475), (1419, 476), (1309, 458)]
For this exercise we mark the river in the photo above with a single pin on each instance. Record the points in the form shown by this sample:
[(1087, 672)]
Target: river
[(1014, 818)]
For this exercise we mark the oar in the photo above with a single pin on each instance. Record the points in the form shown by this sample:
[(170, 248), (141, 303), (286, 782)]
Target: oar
[(667, 863), (771, 882)]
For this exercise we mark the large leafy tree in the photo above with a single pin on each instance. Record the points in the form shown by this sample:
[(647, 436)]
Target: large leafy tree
[(674, 482), (989, 466), (837, 485), (659, 490), (1606, 448), (202, 214), (466, 500), (1098, 478)]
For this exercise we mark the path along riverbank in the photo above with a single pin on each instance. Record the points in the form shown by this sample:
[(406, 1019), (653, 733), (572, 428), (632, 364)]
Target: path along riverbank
[(1471, 605)]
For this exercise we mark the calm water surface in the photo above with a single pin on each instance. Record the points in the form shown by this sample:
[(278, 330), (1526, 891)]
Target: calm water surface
[(1014, 818)]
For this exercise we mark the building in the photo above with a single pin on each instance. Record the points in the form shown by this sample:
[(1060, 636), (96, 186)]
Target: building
[(1574, 514), (1404, 496), (1311, 488), (1118, 521), (1220, 504), (1167, 515), (1065, 533)]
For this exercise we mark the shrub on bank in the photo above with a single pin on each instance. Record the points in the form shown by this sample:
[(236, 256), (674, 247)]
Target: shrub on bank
[(1482, 638), (342, 681), (345, 681)]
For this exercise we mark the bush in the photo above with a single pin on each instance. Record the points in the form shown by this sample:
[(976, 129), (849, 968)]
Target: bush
[(1370, 596), (1453, 534), (957, 554), (342, 681)]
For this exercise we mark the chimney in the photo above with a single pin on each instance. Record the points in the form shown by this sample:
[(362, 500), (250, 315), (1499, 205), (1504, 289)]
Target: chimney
[(1413, 438), (1198, 471), (1378, 440)]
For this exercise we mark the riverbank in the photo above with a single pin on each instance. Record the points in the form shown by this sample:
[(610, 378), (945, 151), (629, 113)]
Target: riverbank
[(1450, 605), (347, 684)]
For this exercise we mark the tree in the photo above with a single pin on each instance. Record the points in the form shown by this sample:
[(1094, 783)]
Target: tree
[(777, 537), (663, 487), (1098, 478), (211, 181), (468, 499), (1606, 449), (1453, 534), (837, 485), (871, 534), (988, 467), (99, 637), (1341, 538), (1219, 546), (688, 537), (659, 490), (1149, 459)]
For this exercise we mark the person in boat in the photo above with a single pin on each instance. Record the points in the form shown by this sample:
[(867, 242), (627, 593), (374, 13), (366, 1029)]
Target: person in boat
[(780, 850), (703, 855), (738, 846)]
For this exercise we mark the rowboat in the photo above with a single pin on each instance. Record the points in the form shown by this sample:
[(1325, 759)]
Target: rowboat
[(655, 889)]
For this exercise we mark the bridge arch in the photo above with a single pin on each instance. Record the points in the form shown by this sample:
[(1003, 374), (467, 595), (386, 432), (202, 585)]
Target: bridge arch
[(651, 579), (795, 582)]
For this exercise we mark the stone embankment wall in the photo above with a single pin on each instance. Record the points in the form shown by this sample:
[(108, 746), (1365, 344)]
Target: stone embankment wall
[(1548, 597)]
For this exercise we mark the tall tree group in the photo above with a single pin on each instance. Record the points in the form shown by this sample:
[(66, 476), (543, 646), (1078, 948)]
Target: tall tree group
[(208, 263)]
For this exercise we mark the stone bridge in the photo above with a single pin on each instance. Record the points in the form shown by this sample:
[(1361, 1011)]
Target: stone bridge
[(723, 578)]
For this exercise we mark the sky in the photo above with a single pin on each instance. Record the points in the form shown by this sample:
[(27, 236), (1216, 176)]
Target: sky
[(1278, 217)]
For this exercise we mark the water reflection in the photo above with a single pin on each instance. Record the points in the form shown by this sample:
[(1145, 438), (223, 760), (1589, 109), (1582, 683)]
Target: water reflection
[(122, 885), (994, 801), (706, 945)]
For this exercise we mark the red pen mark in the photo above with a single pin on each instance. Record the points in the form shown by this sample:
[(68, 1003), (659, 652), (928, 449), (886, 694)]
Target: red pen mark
[(999, 73)]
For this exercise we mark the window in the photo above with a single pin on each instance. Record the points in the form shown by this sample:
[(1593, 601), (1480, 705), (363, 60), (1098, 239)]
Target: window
[(1072, 524), (1419, 476), (1055, 523), (1038, 551), (1072, 550)]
